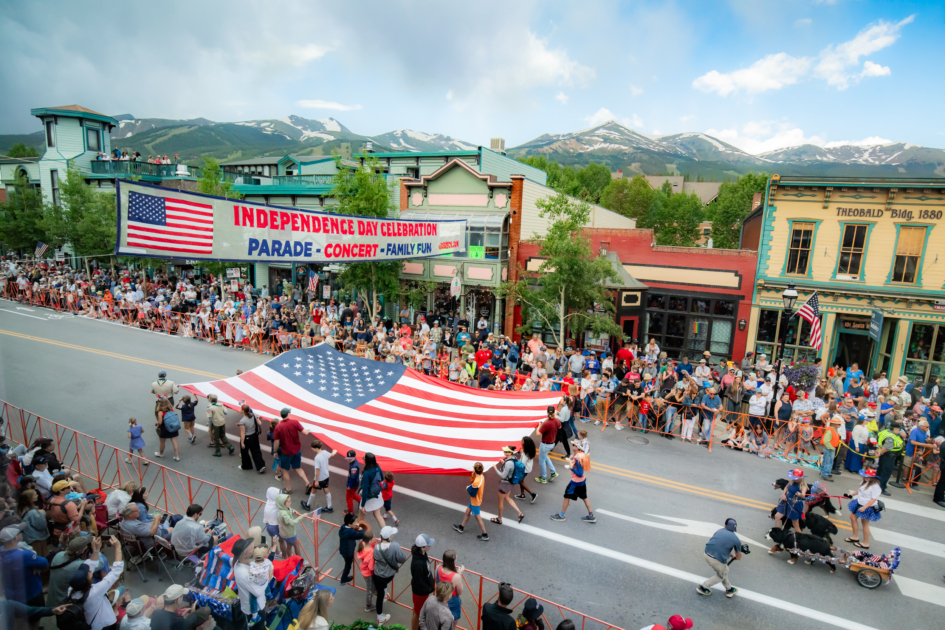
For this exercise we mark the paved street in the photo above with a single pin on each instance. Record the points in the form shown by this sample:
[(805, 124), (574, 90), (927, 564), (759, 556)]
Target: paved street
[(656, 503)]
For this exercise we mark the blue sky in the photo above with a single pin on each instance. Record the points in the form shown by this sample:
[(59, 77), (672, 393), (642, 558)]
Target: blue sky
[(760, 74)]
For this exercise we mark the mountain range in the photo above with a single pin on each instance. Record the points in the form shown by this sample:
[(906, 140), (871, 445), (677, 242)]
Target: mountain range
[(610, 143)]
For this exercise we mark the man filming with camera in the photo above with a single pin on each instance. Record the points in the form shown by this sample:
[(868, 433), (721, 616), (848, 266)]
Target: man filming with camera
[(722, 549)]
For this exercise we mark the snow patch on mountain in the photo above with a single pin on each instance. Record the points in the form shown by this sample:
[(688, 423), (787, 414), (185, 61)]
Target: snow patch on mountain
[(330, 124)]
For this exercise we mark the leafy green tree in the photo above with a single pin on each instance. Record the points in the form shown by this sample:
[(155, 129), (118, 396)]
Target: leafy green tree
[(21, 218), (20, 150), (364, 192), (211, 182), (560, 178), (674, 218), (85, 218), (629, 197), (593, 179), (732, 206), (571, 280)]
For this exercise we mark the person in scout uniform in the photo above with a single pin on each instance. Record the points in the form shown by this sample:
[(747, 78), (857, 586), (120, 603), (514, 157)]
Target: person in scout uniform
[(164, 390), (216, 414)]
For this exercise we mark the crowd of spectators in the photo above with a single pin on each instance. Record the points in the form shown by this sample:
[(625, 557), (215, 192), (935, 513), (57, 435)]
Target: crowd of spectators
[(125, 155)]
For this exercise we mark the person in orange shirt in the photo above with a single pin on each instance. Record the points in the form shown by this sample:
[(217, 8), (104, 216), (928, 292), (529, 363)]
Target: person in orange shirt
[(831, 442), (475, 490), (579, 464)]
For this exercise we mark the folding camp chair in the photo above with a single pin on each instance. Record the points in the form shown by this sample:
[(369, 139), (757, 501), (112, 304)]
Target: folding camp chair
[(102, 522), (137, 553), (180, 558)]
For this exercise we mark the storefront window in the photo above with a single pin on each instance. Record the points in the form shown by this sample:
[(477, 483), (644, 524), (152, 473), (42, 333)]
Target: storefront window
[(886, 346), (796, 341), (768, 326), (921, 360), (690, 325)]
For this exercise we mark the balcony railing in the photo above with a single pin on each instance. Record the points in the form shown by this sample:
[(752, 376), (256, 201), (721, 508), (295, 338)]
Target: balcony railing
[(241, 178), (303, 180), (144, 169)]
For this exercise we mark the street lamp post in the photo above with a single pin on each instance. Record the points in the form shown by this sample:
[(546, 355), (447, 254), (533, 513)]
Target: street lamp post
[(790, 299)]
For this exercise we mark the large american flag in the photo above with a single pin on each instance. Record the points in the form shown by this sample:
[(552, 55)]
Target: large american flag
[(169, 224), (312, 281), (810, 311), (413, 423), (40, 249)]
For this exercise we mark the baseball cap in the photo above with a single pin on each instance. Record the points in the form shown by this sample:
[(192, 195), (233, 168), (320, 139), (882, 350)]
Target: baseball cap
[(351, 454), (508, 449), (260, 552), (136, 606), (285, 412), (387, 531), (162, 373), (175, 591), (9, 533), (59, 486), (424, 541), (677, 622)]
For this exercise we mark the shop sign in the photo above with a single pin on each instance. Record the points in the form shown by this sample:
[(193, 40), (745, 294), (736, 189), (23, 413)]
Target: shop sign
[(598, 342), (892, 213), (854, 324), (233, 272), (456, 287), (234, 286), (477, 251), (939, 305), (326, 291), (876, 325), (301, 271)]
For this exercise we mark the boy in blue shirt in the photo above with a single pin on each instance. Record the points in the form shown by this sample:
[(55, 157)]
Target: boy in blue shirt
[(353, 482)]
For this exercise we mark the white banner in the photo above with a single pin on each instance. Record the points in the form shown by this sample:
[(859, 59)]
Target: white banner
[(157, 222)]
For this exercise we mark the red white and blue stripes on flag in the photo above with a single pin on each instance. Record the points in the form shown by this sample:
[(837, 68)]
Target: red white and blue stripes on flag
[(413, 423), (810, 311)]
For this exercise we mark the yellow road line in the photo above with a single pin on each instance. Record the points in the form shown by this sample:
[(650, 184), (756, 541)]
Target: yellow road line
[(111, 354), (629, 474)]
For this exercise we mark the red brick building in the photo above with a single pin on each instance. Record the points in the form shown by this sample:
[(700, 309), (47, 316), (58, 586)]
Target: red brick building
[(690, 299)]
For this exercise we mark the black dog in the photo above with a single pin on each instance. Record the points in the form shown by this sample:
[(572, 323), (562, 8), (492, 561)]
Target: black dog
[(787, 539), (819, 526)]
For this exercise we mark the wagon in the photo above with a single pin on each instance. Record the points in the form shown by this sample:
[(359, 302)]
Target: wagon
[(871, 577), (871, 572)]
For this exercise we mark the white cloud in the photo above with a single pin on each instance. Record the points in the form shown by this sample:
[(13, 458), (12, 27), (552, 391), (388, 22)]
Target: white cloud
[(686, 118), (834, 64), (769, 73), (865, 142), (603, 115), (871, 69), (835, 61), (317, 104), (302, 55), (802, 22), (449, 95), (562, 98), (760, 136), (636, 91)]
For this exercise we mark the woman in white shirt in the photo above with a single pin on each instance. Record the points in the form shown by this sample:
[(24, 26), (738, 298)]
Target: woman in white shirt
[(862, 508), (94, 597), (119, 498), (652, 351)]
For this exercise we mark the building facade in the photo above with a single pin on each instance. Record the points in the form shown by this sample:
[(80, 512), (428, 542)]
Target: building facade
[(870, 249), (689, 299)]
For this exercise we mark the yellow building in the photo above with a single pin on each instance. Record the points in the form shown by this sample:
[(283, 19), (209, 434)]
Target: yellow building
[(872, 249)]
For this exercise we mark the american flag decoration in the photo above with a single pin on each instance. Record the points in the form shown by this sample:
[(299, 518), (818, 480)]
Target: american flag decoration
[(413, 423), (312, 281), (169, 224), (810, 311), (40, 249)]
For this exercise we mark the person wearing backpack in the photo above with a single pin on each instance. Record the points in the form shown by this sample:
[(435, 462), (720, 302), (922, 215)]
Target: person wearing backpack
[(388, 558), (511, 471), (168, 426), (371, 500)]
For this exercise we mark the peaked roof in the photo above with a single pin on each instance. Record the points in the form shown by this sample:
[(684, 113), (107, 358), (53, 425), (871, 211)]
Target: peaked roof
[(78, 108), (490, 180), (75, 111)]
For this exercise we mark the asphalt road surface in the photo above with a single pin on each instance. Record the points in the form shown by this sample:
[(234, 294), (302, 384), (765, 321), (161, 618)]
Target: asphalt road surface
[(656, 503)]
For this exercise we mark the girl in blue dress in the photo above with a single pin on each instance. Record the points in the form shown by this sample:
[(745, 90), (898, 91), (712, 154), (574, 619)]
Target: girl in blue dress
[(791, 505), (135, 433)]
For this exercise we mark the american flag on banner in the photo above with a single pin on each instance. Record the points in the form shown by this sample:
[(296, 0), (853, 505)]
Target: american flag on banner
[(413, 423), (40, 249), (312, 281), (810, 311), (169, 224)]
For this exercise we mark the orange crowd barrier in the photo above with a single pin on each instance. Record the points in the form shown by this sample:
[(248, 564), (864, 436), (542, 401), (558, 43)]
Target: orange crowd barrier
[(171, 491)]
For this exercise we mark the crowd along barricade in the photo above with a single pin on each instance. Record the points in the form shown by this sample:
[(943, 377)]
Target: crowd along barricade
[(729, 428), (107, 467)]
